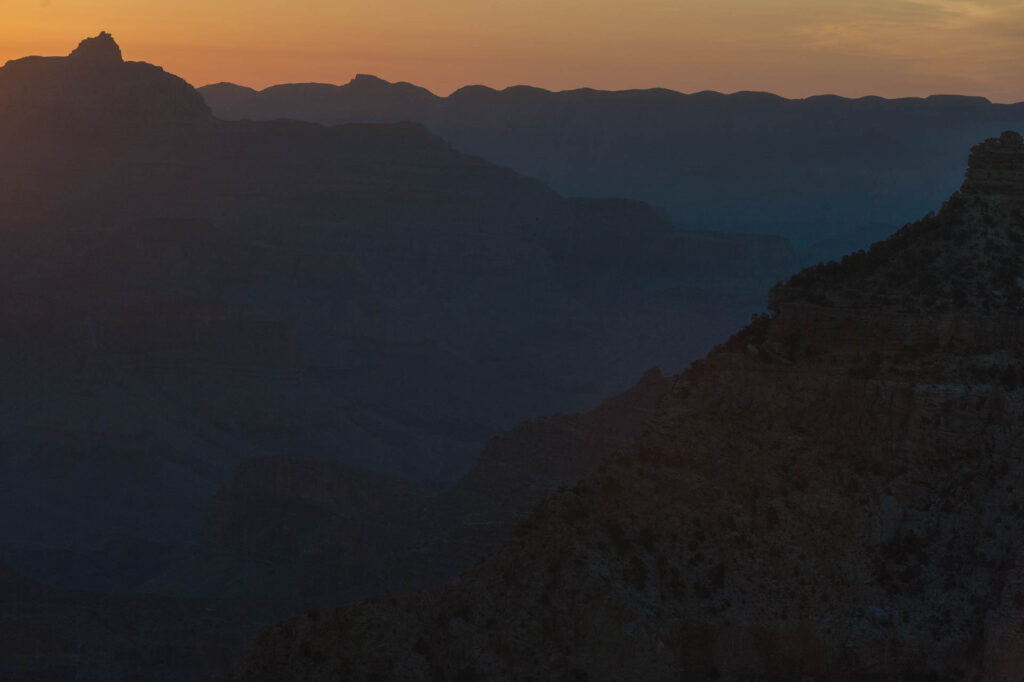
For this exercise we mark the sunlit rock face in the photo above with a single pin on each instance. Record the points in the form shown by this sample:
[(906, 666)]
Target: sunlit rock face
[(834, 493)]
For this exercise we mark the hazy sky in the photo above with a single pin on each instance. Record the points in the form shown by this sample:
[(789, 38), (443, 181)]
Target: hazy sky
[(792, 47)]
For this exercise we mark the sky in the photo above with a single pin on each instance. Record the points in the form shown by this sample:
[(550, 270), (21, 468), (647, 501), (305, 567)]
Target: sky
[(795, 48)]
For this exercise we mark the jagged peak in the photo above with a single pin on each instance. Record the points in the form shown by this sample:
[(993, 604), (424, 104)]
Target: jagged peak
[(93, 88), (100, 49)]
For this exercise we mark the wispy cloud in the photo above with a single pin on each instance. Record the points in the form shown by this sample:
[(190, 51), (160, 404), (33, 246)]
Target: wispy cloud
[(965, 42), (907, 27)]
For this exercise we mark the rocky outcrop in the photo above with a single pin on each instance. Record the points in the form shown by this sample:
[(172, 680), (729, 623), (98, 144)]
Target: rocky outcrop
[(996, 168), (963, 260), (843, 508), (99, 50), (93, 90)]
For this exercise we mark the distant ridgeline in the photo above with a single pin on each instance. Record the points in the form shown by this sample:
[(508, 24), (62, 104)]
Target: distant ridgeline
[(842, 171)]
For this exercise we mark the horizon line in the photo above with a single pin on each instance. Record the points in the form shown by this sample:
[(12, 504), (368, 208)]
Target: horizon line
[(585, 88)]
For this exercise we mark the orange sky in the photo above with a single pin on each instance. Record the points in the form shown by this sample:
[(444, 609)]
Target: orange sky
[(792, 47)]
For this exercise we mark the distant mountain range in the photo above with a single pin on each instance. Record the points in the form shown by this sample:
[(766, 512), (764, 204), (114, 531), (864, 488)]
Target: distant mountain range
[(833, 493), (844, 172), (180, 293)]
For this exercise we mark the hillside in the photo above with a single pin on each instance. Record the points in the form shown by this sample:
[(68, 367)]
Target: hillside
[(833, 494)]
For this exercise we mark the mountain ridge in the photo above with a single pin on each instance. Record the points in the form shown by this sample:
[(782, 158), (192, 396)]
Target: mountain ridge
[(811, 169), (587, 89)]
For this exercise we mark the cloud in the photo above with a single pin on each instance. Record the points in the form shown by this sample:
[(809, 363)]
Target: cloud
[(971, 45), (912, 27)]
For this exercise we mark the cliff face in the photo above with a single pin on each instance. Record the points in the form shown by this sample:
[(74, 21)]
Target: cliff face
[(834, 493)]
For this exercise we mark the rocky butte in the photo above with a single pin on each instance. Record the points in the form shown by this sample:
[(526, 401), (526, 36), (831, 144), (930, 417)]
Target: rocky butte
[(99, 50), (834, 493), (997, 168), (93, 90)]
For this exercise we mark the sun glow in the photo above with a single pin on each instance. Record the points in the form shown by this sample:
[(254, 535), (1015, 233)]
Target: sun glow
[(792, 47)]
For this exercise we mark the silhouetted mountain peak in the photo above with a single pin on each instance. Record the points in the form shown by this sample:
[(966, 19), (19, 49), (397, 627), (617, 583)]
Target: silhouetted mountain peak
[(367, 79), (366, 85), (93, 89), (102, 49), (962, 100), (225, 86)]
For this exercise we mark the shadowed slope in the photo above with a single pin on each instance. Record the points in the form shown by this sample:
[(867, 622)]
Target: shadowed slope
[(832, 494)]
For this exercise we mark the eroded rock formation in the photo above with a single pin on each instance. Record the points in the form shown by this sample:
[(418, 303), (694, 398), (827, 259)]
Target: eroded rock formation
[(99, 50), (996, 168)]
